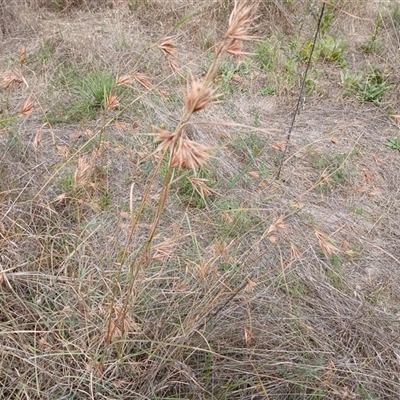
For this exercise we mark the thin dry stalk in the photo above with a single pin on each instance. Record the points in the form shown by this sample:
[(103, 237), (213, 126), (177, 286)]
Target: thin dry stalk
[(22, 54), (185, 153)]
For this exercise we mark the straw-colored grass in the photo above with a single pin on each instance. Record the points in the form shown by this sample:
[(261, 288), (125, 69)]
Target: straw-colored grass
[(147, 250)]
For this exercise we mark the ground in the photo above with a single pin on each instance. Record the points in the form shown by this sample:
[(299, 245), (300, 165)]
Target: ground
[(271, 270)]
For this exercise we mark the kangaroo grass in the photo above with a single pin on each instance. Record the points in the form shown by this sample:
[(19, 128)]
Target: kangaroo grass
[(183, 152)]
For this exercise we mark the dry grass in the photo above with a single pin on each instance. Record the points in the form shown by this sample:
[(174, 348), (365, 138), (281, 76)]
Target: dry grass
[(147, 251)]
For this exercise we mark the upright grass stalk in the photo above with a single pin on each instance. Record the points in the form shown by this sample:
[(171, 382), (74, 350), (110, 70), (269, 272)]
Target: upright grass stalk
[(183, 152)]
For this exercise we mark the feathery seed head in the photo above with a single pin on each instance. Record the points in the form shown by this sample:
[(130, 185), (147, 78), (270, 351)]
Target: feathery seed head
[(189, 154), (199, 96), (143, 79), (111, 102), (124, 80), (240, 20), (168, 47), (166, 138), (11, 78), (26, 108)]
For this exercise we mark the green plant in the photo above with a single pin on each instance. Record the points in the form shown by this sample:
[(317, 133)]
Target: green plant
[(46, 51), (196, 190), (393, 143), (86, 94), (266, 54), (395, 15), (333, 169), (235, 219), (370, 87), (229, 75), (335, 261), (105, 200), (373, 87), (358, 210), (327, 48), (349, 81), (94, 87), (249, 144), (328, 19), (365, 393), (372, 44), (268, 90), (134, 5), (58, 4)]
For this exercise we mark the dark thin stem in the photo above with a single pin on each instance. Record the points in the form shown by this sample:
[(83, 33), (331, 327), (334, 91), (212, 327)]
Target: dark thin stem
[(296, 110)]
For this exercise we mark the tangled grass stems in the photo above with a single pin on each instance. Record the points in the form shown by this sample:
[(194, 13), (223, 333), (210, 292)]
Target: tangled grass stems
[(270, 290)]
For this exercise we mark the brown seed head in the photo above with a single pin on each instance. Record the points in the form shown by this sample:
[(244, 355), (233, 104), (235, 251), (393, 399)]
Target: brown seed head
[(166, 138), (26, 108), (38, 139), (124, 80), (242, 16), (11, 78), (143, 79), (168, 47), (22, 54), (199, 97), (121, 126), (173, 64), (326, 247), (83, 171), (189, 154), (111, 102), (200, 186), (235, 47), (163, 249)]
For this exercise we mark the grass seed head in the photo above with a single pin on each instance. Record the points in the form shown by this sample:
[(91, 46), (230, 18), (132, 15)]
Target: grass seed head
[(26, 108), (163, 250), (124, 80), (166, 138), (173, 64), (38, 139), (111, 102), (200, 186), (11, 78), (143, 79), (168, 47), (189, 154), (240, 20), (199, 96), (235, 47), (326, 247), (83, 171), (22, 54)]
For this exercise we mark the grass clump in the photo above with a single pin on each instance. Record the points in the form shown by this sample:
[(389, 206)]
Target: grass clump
[(87, 95)]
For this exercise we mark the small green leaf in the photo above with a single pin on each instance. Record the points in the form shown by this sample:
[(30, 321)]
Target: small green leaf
[(186, 17), (393, 144)]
